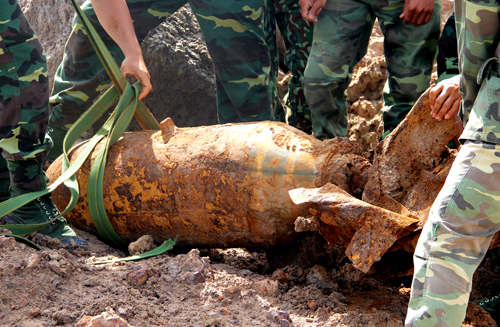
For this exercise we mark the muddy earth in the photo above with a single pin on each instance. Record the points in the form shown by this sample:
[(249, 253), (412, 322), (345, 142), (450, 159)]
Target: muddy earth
[(310, 284)]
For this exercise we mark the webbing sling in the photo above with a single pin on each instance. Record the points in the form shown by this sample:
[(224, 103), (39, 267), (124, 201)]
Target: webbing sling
[(114, 127)]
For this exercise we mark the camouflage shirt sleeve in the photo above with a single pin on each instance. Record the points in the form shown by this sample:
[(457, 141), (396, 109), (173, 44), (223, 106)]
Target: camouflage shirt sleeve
[(477, 23)]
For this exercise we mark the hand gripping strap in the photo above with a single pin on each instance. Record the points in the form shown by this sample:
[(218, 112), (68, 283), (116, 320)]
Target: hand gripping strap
[(117, 123)]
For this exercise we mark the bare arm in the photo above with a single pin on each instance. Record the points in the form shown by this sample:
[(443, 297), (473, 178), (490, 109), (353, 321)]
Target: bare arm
[(311, 8), (115, 18), (417, 12)]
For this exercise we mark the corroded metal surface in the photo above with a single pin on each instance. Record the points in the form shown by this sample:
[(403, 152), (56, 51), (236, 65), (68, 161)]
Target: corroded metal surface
[(366, 231), (409, 169), (213, 186), (232, 185), (411, 164)]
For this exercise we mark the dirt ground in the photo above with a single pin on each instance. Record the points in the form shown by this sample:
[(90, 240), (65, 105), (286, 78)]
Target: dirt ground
[(308, 285)]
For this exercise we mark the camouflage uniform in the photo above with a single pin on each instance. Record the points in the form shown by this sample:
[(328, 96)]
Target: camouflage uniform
[(341, 38), (464, 216), (447, 55), (234, 35), (23, 101), (23, 122), (297, 34)]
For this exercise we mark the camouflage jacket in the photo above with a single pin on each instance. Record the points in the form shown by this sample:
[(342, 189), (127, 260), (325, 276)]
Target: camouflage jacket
[(478, 31)]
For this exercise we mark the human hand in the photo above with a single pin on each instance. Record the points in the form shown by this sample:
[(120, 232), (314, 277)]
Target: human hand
[(310, 9), (444, 98), (135, 66), (417, 12)]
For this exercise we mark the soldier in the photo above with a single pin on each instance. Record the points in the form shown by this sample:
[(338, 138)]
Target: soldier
[(24, 110), (341, 34), (464, 216), (297, 34), (235, 39)]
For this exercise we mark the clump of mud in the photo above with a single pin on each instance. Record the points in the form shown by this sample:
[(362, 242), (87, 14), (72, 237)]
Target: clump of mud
[(364, 97)]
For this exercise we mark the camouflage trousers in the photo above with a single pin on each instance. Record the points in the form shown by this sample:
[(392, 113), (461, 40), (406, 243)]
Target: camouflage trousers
[(297, 34), (23, 101), (234, 35), (455, 238), (341, 38)]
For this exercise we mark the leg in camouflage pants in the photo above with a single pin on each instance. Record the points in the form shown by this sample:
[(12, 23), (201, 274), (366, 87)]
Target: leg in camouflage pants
[(465, 215), (341, 38), (455, 238), (23, 100), (23, 121), (234, 35), (297, 34)]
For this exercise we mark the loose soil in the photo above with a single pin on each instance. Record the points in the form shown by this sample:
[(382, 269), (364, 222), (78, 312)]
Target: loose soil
[(310, 284)]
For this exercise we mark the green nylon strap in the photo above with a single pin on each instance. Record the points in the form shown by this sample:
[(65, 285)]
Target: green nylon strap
[(67, 176), (113, 128), (142, 114), (118, 123), (167, 245)]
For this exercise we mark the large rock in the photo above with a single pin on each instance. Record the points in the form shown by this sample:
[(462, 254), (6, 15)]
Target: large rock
[(175, 53), (181, 71)]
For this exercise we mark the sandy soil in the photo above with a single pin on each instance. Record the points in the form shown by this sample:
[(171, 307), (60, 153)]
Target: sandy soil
[(309, 285)]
